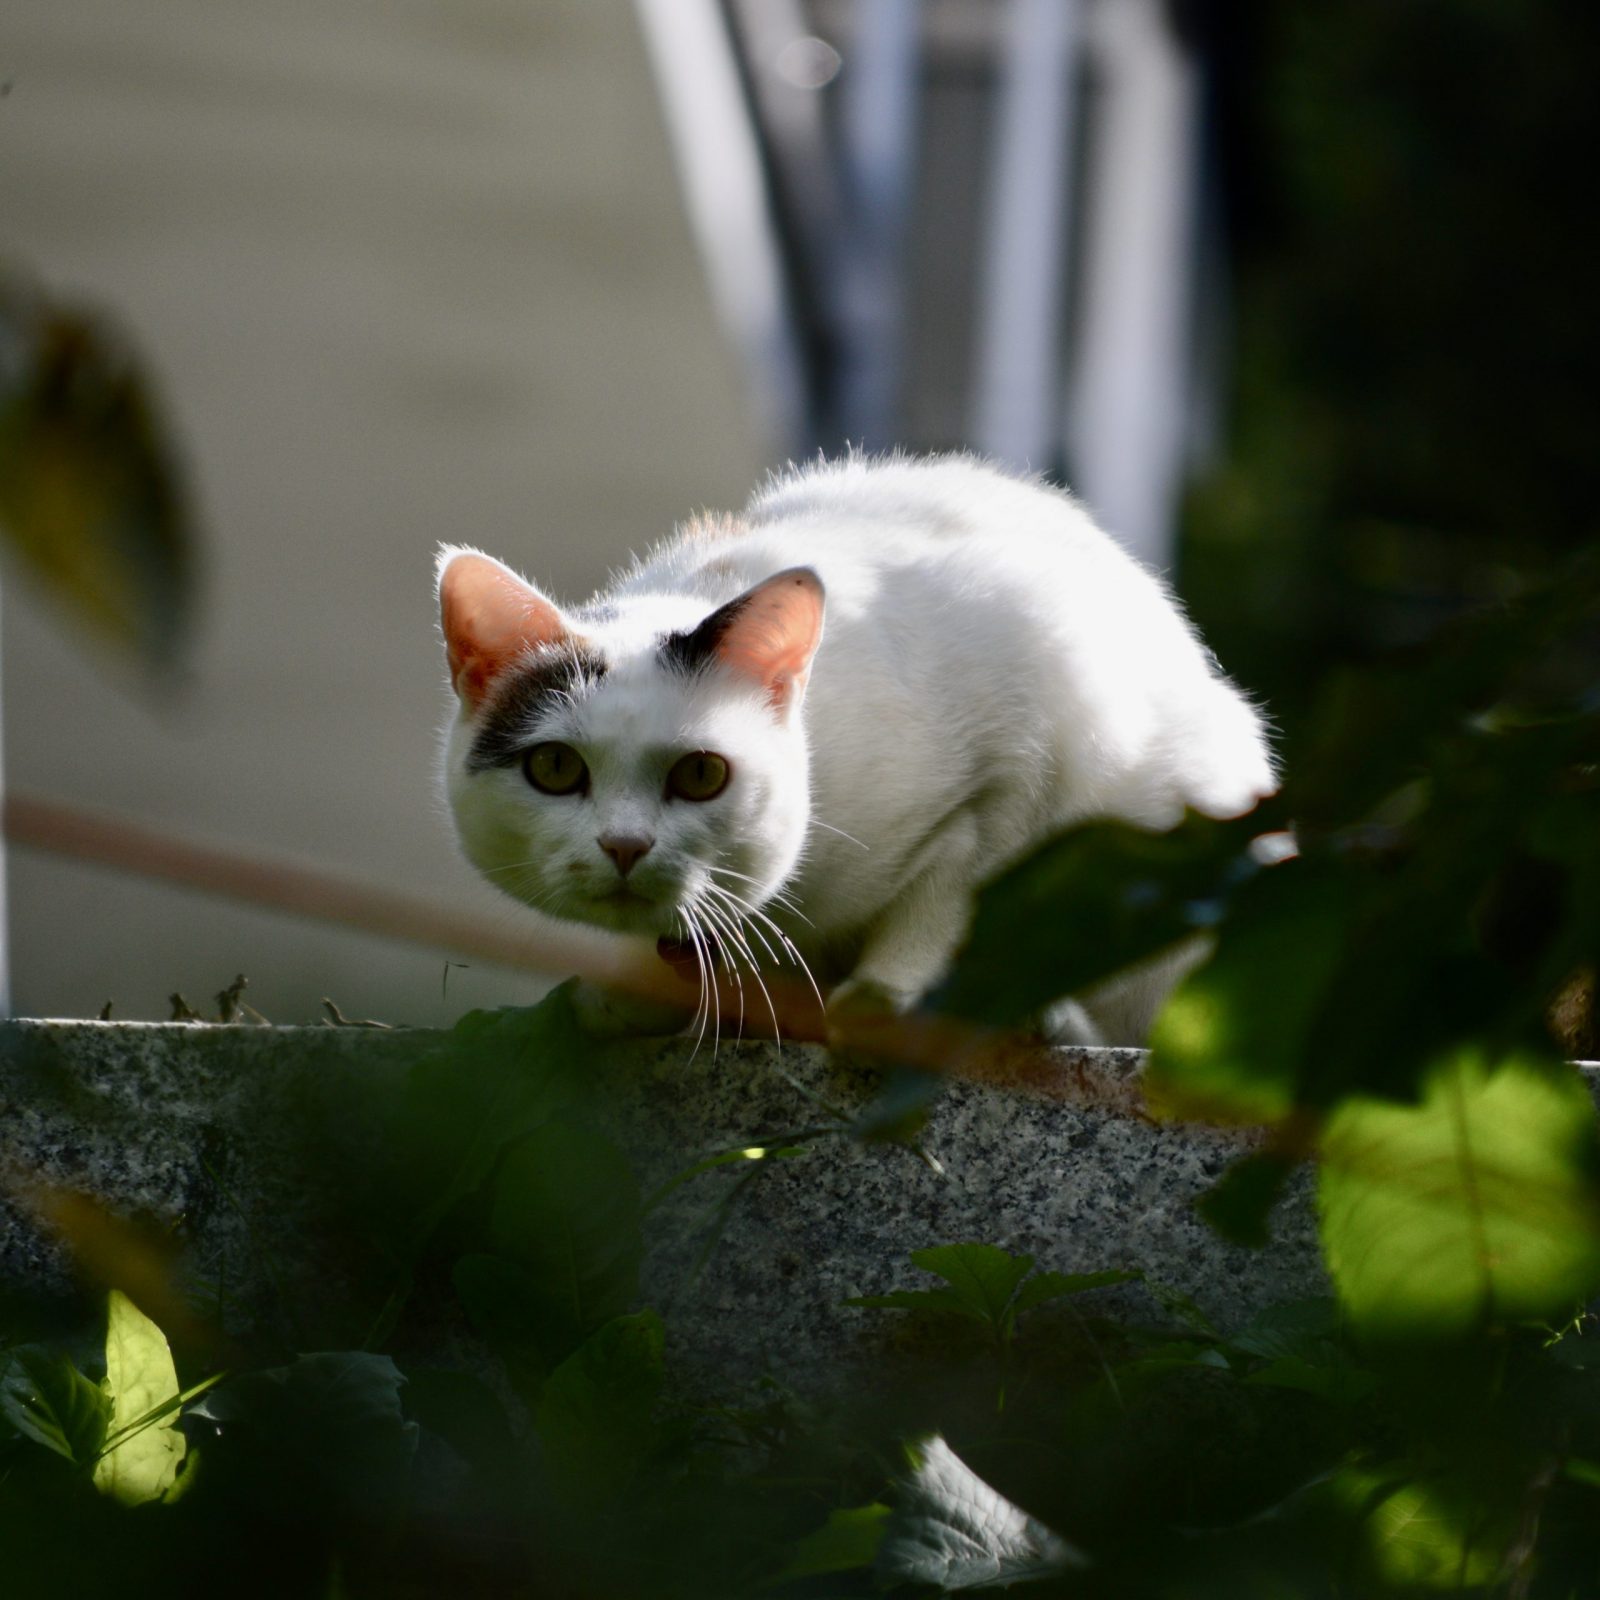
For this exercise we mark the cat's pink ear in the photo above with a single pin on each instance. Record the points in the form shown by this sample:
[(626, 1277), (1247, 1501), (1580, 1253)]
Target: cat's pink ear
[(490, 617), (771, 632)]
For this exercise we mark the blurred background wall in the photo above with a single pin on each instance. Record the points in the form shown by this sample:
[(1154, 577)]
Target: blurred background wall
[(404, 273), (1298, 300)]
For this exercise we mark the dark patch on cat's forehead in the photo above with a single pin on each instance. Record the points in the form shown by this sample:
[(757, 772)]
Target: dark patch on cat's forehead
[(522, 693), (689, 652)]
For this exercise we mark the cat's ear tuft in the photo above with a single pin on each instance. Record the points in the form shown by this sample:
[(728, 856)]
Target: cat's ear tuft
[(771, 632), (490, 619)]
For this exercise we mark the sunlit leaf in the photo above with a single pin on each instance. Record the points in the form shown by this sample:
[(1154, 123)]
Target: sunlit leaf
[(46, 1399), (90, 498), (140, 1376), (1477, 1205), (951, 1530), (1422, 1532)]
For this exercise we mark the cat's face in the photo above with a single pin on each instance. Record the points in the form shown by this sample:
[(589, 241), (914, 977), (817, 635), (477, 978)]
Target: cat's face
[(619, 769)]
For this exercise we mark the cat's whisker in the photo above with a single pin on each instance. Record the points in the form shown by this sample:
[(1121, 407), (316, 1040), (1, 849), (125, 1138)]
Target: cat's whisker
[(714, 1000), (817, 822), (777, 897), (683, 923), (737, 908), (729, 918), (783, 939), (703, 1010), (730, 941)]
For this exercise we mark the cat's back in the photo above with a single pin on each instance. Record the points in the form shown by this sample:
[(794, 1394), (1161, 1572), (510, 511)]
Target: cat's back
[(938, 503), (947, 523)]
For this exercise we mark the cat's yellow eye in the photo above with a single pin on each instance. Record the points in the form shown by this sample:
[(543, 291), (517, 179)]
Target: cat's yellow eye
[(555, 769), (700, 775)]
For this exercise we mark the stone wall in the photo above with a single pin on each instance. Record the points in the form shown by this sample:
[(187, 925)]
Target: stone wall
[(234, 1148)]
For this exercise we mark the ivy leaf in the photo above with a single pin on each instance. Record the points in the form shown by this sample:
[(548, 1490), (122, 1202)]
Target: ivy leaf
[(141, 1465), (1090, 902), (46, 1399), (952, 1531), (848, 1540), (1043, 1287), (983, 1276), (499, 1075), (1300, 1343), (595, 1416), (566, 1210), (1477, 1205)]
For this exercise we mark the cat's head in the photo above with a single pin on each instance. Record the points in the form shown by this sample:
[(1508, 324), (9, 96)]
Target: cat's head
[(618, 762)]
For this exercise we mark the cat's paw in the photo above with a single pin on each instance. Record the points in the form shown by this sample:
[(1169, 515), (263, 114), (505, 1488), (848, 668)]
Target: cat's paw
[(859, 1006), (608, 1014), (1068, 1023)]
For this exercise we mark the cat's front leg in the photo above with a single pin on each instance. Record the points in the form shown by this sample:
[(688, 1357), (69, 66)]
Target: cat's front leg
[(910, 943)]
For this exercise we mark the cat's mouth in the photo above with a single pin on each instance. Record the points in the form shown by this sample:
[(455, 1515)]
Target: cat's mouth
[(622, 895), (680, 955), (626, 910)]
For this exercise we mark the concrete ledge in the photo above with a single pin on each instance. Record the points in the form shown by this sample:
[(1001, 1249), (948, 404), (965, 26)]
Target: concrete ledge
[(202, 1130)]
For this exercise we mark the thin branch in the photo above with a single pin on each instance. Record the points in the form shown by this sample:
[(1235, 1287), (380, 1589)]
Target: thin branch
[(935, 1043)]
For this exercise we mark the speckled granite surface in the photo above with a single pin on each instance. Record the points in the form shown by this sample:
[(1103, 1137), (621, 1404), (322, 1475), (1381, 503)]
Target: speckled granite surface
[(1081, 1187), (201, 1130)]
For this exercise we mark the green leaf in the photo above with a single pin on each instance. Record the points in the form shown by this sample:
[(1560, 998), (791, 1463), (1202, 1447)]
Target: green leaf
[(1340, 1381), (90, 497), (46, 1399), (1476, 1206), (1161, 1360), (566, 1210), (1239, 1203), (143, 1464), (596, 1413), (1043, 1287), (497, 1077), (951, 1530), (1291, 1328), (983, 1276), (848, 1540), (498, 1296), (325, 1431), (945, 1300), (1090, 902), (1229, 1043)]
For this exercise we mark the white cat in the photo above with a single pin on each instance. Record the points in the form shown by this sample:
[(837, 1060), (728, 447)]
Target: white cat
[(832, 718)]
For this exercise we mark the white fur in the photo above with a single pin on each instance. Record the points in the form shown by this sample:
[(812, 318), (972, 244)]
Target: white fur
[(992, 669)]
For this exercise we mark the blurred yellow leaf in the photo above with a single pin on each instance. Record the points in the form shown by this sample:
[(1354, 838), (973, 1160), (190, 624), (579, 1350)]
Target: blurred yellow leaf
[(89, 495)]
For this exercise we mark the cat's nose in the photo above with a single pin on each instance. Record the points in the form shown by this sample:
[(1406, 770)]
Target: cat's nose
[(625, 849)]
